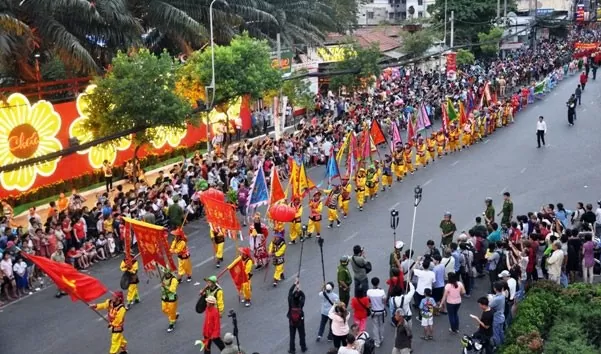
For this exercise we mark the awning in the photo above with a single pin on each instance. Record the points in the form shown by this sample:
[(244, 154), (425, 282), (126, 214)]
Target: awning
[(393, 54), (512, 45)]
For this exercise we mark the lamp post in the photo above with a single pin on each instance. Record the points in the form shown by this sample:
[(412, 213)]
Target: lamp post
[(418, 198), (394, 223)]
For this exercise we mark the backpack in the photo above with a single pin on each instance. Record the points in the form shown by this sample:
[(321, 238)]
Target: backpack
[(501, 263), (296, 315), (369, 345)]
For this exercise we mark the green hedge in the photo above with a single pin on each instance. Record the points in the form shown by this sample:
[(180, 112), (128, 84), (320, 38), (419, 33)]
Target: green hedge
[(557, 320)]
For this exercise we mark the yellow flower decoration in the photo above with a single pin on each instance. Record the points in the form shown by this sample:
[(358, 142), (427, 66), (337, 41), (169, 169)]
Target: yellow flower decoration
[(167, 135), (218, 118), (96, 154), (27, 131)]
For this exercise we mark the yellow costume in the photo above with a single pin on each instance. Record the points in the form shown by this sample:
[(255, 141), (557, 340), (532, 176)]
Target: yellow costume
[(179, 246), (408, 155), (387, 173), (420, 156), (295, 226), (507, 117), (169, 299), (431, 147), (213, 289), (398, 164), (481, 127), (315, 207), (371, 182), (453, 139), (277, 249), (218, 239), (360, 181), (132, 289), (441, 139), (346, 196), (333, 200), (474, 133), (467, 134), (248, 268), (116, 318)]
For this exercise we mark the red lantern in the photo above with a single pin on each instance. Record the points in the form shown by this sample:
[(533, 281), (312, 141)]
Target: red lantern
[(282, 213), (213, 194)]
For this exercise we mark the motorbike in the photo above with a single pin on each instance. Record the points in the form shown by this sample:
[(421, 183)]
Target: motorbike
[(471, 345)]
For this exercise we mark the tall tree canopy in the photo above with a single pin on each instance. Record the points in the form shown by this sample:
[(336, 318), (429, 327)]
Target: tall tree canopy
[(364, 61)]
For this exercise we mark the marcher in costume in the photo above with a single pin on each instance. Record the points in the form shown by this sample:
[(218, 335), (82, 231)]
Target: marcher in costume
[(441, 139), (371, 182), (508, 116), (333, 202), (475, 136), (213, 289), (431, 147), (360, 180), (315, 207), (218, 239), (211, 329), (346, 195), (258, 241), (246, 293), (420, 156), (279, 229), (398, 160), (277, 249), (408, 155), (296, 225), (116, 318), (467, 134), (169, 298), (344, 280), (453, 138), (132, 289), (387, 172), (179, 246)]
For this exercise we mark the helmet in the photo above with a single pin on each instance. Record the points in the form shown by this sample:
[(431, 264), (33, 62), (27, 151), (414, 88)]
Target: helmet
[(488, 199), (448, 213), (344, 259)]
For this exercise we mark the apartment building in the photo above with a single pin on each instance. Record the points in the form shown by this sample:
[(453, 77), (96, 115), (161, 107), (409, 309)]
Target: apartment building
[(376, 12)]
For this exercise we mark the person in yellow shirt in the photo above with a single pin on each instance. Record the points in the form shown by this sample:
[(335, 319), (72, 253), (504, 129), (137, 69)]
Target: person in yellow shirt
[(387, 172), (431, 147), (453, 138), (398, 162), (277, 250), (214, 289), (179, 246), (169, 298), (315, 207), (333, 201), (218, 239), (360, 181), (345, 196), (295, 226), (420, 156), (371, 182), (466, 136), (62, 203), (408, 155), (248, 268), (441, 140), (132, 290), (116, 319), (475, 131)]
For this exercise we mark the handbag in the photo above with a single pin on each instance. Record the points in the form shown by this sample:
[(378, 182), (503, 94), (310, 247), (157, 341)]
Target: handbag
[(365, 307), (367, 266)]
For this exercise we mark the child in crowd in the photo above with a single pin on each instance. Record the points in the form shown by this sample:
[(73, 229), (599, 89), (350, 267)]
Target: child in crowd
[(427, 311)]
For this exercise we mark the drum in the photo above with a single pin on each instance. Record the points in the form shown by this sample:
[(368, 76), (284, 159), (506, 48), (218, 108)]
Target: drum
[(201, 304)]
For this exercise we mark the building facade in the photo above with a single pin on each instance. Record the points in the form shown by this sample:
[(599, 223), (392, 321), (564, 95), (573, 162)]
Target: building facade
[(376, 12)]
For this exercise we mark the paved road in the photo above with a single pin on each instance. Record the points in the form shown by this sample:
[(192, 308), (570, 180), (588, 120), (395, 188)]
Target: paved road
[(563, 171)]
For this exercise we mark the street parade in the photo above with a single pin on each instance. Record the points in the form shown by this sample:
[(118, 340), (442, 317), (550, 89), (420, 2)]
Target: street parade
[(349, 230)]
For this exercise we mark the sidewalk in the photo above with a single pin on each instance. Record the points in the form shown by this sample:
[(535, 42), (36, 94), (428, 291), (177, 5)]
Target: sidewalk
[(91, 194)]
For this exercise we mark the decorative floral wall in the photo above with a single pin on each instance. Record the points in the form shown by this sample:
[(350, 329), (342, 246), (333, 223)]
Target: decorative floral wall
[(29, 130)]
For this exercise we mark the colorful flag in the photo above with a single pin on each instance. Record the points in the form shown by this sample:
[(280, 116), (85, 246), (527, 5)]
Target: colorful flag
[(410, 131), (152, 240), (366, 145), (294, 179), (332, 170), (539, 88), (376, 133), (276, 192), (423, 121), (259, 194), (451, 112), (445, 119), (396, 136), (462, 114), (238, 273), (345, 145), (485, 95), (79, 286), (305, 185), (470, 101)]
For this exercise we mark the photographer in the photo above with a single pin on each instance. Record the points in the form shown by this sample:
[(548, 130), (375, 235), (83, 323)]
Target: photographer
[(230, 347), (296, 316), (361, 267)]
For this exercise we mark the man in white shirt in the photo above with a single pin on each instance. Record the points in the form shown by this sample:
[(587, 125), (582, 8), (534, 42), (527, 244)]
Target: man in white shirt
[(512, 285), (598, 220), (554, 262), (425, 280), (541, 130), (403, 302), (377, 298)]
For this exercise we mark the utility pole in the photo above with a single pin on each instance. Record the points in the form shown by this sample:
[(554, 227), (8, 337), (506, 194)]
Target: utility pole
[(277, 114), (452, 28), (504, 12), (499, 9), (445, 23)]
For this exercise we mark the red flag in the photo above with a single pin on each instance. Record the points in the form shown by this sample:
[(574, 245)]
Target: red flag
[(445, 119), (238, 273), (462, 114), (376, 133), (277, 192), (366, 145), (79, 286), (410, 131)]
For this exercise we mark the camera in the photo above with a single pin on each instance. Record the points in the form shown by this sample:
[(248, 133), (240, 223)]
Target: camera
[(231, 313)]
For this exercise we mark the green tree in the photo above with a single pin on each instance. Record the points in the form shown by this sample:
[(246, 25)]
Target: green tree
[(298, 91), (490, 41), (242, 68), (465, 57), (415, 44), (138, 92), (363, 65), (471, 17)]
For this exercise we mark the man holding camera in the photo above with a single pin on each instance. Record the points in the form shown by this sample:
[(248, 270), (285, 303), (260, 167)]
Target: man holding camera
[(296, 316), (361, 267)]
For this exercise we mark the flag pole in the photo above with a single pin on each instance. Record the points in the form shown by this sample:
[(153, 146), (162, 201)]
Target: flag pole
[(323, 268)]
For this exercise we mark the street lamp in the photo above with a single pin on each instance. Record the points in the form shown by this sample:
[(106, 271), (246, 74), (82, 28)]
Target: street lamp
[(212, 85), (394, 223), (418, 198)]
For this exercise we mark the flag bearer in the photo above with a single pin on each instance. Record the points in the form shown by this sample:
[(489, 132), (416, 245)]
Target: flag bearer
[(295, 226), (315, 207), (179, 246), (169, 298), (132, 290), (277, 250), (116, 318)]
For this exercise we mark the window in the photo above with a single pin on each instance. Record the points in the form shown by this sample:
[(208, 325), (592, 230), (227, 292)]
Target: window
[(420, 14), (403, 1), (420, 2), (370, 15), (403, 15), (390, 15)]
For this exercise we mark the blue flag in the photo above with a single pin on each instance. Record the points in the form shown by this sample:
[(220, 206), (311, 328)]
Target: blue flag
[(332, 170), (259, 193)]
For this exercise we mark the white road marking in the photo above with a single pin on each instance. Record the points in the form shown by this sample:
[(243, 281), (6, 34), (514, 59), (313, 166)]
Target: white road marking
[(523, 170), (455, 163), (211, 258), (427, 182), (25, 297), (395, 205), (486, 141), (351, 236)]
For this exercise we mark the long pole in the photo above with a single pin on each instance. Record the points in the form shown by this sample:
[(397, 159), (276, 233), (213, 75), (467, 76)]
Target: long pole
[(452, 28), (418, 199), (212, 86), (445, 24), (279, 108), (499, 9), (300, 259), (323, 268)]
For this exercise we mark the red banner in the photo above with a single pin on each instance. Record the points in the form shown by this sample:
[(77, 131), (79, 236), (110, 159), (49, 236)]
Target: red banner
[(586, 46), (152, 244), (221, 215), (451, 66)]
